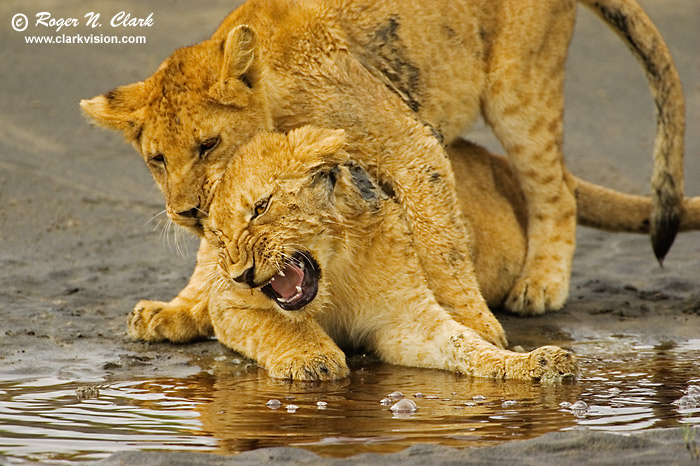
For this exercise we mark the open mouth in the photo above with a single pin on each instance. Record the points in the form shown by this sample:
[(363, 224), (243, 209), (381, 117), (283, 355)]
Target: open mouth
[(296, 284)]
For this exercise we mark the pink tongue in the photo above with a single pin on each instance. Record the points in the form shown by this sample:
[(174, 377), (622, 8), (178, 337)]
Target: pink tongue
[(286, 286)]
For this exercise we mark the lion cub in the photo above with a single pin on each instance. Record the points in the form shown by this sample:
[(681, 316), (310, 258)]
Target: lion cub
[(313, 254), (400, 77)]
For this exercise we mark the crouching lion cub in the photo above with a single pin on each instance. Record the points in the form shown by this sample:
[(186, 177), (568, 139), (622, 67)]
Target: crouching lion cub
[(328, 201), (316, 253)]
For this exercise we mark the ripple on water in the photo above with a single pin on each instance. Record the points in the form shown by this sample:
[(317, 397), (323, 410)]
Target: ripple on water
[(228, 410)]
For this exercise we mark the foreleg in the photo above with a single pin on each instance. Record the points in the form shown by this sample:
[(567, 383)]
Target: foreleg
[(186, 317)]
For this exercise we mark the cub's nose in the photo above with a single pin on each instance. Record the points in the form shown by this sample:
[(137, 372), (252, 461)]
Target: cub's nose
[(192, 213), (247, 277)]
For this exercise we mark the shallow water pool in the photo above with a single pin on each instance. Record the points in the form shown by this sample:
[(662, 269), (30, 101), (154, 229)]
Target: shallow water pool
[(224, 408)]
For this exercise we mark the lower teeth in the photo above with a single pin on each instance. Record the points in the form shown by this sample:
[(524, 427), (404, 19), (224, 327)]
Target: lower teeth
[(293, 298)]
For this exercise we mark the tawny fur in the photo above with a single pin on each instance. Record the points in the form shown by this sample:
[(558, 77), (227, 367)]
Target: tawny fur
[(399, 77), (373, 292)]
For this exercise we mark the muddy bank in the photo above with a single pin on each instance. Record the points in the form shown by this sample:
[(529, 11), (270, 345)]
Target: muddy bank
[(650, 448), (83, 236)]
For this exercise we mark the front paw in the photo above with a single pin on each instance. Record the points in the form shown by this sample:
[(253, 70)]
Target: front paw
[(550, 364), (314, 367), (141, 323), (160, 321)]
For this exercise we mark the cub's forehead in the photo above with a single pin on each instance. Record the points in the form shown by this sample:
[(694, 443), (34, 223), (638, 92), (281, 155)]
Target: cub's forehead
[(178, 89), (189, 70), (249, 185), (263, 166), (260, 184), (178, 111), (240, 187)]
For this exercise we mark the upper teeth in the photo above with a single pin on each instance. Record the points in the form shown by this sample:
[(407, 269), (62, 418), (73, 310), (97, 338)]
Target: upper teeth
[(298, 289)]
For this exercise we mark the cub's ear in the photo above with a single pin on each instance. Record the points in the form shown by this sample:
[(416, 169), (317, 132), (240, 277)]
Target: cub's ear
[(318, 147), (121, 109), (240, 69)]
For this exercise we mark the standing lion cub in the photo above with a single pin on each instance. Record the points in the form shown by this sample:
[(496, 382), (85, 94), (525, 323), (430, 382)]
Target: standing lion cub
[(400, 77)]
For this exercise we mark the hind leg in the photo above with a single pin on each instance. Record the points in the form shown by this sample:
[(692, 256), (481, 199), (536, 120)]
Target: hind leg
[(524, 105)]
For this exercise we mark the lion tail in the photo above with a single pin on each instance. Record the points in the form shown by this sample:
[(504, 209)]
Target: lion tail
[(635, 28), (611, 210)]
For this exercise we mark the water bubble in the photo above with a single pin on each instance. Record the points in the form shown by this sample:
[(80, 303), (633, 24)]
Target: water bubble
[(509, 404), (686, 402), (419, 395), (289, 398), (385, 402), (565, 405), (614, 391), (292, 408), (431, 397), (404, 406), (469, 403), (478, 398), (694, 391), (236, 361), (321, 404), (579, 409), (395, 395), (273, 404)]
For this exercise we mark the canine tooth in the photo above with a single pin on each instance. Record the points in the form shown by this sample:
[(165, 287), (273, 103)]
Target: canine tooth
[(298, 289), (281, 273)]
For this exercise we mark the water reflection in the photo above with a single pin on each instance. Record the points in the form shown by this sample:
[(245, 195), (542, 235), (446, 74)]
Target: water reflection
[(447, 413), (224, 408)]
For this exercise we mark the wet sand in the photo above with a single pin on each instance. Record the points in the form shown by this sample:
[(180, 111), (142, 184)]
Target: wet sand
[(80, 242), (650, 448)]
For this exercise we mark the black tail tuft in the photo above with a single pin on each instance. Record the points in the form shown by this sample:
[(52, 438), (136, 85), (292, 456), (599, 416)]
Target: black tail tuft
[(663, 233)]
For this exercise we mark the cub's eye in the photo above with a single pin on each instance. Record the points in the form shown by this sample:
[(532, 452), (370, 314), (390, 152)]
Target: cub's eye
[(157, 160), (208, 145), (260, 207)]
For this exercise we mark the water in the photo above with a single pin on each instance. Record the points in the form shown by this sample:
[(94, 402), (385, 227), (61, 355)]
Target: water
[(224, 408)]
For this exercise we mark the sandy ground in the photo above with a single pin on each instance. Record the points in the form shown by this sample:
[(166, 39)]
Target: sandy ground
[(78, 211)]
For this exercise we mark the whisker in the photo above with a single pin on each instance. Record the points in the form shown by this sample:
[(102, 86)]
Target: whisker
[(154, 217), (220, 284)]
